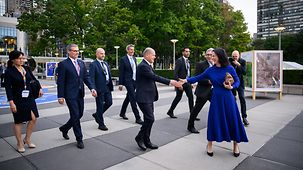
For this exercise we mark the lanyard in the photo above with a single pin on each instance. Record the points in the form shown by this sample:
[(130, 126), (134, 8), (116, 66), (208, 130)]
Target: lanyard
[(24, 77)]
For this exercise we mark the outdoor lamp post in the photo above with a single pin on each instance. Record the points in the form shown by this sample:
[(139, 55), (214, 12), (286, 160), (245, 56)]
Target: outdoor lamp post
[(82, 57), (280, 29), (117, 47), (174, 51), (56, 54)]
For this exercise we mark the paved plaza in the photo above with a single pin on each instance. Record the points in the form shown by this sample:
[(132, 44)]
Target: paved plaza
[(275, 138)]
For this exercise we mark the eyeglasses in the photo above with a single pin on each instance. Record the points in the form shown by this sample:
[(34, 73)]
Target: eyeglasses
[(75, 51)]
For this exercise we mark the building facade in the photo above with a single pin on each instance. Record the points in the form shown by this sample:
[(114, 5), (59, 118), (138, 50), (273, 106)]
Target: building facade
[(279, 13), (10, 37)]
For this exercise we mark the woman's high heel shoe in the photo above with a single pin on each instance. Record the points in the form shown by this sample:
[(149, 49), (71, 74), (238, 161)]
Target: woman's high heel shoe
[(30, 145), (21, 150), (236, 154), (209, 153)]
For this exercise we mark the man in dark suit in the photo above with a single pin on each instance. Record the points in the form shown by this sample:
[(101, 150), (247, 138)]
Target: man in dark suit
[(101, 78), (240, 66), (203, 90), (182, 71), (146, 94), (72, 75), (127, 78)]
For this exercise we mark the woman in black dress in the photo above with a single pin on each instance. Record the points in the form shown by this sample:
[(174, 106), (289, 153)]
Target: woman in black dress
[(20, 97)]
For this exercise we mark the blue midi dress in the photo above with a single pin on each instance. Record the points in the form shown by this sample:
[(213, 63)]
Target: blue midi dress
[(224, 120)]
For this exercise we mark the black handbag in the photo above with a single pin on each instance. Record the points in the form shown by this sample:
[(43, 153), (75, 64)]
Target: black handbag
[(35, 87)]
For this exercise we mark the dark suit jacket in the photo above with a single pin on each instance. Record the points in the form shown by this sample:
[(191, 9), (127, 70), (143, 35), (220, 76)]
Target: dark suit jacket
[(240, 70), (14, 83), (203, 88), (69, 82), (98, 77), (126, 71), (180, 69), (145, 81)]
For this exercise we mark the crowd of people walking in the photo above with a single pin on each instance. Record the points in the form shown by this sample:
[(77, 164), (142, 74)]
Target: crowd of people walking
[(225, 123)]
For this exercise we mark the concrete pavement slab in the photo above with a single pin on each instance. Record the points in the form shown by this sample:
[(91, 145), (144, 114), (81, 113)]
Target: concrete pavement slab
[(137, 163), (297, 121), (95, 155), (17, 164), (282, 150), (7, 151), (263, 127), (253, 163), (292, 133), (187, 154)]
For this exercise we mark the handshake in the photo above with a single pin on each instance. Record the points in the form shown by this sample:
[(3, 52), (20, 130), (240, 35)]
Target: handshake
[(178, 84)]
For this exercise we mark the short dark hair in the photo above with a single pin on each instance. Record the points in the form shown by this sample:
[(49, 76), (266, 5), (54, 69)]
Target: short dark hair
[(185, 49)]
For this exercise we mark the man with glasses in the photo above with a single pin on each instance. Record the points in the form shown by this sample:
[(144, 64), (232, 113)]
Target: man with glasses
[(72, 76), (203, 90), (182, 71), (240, 66)]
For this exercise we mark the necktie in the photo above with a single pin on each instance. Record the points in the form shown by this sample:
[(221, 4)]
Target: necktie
[(105, 71), (133, 65), (188, 68), (77, 67)]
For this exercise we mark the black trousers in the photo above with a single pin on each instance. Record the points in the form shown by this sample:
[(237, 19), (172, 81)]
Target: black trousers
[(130, 98), (189, 93), (103, 102), (240, 91), (200, 102), (76, 107), (148, 115)]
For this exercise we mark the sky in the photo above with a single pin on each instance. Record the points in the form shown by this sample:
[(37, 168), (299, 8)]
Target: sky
[(249, 10)]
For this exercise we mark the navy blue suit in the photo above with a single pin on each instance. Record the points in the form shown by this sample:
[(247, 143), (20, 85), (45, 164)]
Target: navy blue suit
[(103, 88), (70, 86), (146, 94), (126, 79)]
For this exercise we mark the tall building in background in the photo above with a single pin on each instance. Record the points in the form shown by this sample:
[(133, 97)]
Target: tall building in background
[(279, 13), (10, 37)]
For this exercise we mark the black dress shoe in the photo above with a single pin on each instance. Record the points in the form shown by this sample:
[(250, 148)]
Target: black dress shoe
[(139, 121), (151, 146), (171, 115), (64, 134), (140, 143), (197, 119), (124, 117), (80, 144), (245, 122), (103, 127), (193, 130), (95, 117)]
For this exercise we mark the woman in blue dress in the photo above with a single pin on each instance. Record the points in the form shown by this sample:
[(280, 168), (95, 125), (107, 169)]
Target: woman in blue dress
[(224, 120)]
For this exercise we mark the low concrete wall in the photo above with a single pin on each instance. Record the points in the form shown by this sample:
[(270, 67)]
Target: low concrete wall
[(293, 89)]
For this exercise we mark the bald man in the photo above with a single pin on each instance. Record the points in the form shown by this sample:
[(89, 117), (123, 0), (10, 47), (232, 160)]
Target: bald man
[(100, 76), (146, 95), (240, 66)]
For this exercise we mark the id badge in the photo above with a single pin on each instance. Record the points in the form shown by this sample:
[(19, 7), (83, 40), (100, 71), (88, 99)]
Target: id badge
[(25, 93)]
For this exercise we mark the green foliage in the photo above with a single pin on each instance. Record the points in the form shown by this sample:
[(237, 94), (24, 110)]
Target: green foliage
[(197, 24), (291, 44), (293, 77)]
